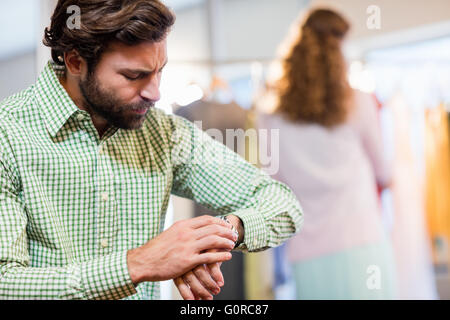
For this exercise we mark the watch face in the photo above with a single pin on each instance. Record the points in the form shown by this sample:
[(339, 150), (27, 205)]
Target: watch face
[(232, 228)]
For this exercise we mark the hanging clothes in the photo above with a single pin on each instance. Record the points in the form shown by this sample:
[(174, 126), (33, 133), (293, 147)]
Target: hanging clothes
[(437, 159), (410, 238)]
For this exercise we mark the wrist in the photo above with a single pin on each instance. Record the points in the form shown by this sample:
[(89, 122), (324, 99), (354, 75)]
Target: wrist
[(135, 267)]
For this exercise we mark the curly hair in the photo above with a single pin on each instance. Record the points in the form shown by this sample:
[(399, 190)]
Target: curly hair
[(313, 87), (103, 21)]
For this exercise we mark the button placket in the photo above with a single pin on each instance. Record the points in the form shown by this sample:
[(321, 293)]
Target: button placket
[(107, 208)]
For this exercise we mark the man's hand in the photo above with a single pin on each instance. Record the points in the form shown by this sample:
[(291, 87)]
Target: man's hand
[(201, 283), (182, 247), (205, 281)]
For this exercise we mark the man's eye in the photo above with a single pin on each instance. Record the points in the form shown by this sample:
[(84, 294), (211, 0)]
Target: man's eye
[(131, 78)]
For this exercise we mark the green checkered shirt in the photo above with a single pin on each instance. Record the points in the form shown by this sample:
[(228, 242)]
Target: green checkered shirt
[(72, 203)]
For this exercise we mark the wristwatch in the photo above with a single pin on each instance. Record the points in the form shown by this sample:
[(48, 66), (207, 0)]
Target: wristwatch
[(224, 218)]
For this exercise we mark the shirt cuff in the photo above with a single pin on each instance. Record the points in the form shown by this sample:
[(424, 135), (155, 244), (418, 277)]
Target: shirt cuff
[(255, 235), (107, 277)]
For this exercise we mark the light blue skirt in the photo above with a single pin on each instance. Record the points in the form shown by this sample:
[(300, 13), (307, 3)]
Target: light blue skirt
[(366, 272)]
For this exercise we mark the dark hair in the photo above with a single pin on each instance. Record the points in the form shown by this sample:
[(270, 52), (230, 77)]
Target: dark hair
[(103, 21), (314, 86)]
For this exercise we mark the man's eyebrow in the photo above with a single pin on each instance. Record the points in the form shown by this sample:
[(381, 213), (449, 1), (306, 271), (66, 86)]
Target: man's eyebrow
[(141, 71)]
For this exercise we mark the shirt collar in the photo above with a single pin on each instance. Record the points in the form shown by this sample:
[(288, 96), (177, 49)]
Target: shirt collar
[(56, 104)]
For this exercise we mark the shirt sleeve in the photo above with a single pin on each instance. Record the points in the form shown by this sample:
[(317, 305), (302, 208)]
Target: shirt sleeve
[(211, 174), (104, 278)]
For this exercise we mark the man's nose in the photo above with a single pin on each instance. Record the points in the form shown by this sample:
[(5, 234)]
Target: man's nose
[(151, 90)]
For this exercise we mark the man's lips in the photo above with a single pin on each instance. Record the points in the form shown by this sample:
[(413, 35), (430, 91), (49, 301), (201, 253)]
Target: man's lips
[(140, 111)]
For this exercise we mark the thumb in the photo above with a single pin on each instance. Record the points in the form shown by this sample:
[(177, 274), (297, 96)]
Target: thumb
[(216, 273)]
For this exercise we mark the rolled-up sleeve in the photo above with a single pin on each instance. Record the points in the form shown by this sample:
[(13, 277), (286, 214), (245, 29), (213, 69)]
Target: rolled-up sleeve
[(211, 174)]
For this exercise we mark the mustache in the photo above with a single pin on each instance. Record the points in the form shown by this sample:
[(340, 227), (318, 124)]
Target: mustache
[(141, 105)]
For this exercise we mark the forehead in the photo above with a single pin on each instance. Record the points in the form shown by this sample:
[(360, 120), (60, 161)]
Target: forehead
[(143, 55)]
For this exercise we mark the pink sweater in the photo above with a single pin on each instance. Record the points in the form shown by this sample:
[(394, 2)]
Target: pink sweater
[(333, 172)]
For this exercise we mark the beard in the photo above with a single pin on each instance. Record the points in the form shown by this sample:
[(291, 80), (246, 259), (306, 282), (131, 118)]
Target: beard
[(104, 103)]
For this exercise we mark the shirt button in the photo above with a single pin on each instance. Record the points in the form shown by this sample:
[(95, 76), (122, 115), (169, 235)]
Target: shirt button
[(104, 196), (104, 243), (255, 242), (80, 117)]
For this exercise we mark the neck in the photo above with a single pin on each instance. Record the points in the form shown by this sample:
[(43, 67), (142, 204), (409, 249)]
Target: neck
[(73, 90)]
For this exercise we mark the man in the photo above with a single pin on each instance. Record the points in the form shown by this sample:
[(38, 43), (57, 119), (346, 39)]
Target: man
[(88, 165)]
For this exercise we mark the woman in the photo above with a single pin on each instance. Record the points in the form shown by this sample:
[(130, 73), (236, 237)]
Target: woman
[(330, 154)]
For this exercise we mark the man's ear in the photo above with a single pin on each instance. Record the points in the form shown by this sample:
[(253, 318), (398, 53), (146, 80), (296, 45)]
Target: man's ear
[(74, 63)]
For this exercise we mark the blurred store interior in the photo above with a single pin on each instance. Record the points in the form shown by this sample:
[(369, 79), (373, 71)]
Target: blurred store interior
[(404, 62)]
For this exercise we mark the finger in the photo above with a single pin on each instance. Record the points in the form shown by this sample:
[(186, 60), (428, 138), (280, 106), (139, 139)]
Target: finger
[(214, 229), (206, 220), (202, 274), (196, 287), (184, 289), (216, 273), (212, 257), (214, 242)]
